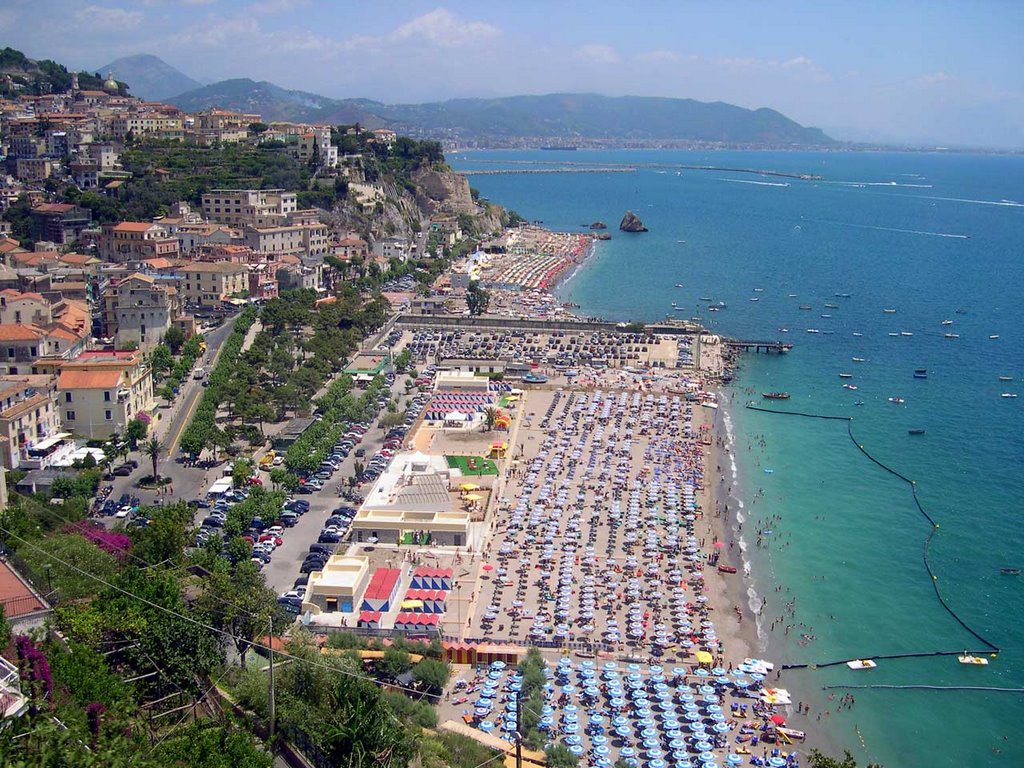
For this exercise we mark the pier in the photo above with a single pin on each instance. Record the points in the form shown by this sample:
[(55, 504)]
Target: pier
[(759, 346)]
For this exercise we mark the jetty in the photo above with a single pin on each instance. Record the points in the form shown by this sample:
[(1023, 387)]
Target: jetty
[(741, 345)]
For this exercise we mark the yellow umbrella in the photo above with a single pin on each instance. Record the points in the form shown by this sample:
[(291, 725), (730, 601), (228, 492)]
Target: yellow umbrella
[(703, 657), (472, 497), (469, 487), (412, 603)]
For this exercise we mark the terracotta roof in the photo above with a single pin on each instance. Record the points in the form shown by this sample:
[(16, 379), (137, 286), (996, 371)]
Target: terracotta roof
[(19, 332), (13, 294), (54, 208), (223, 267), (159, 263), (60, 332), (9, 244), (71, 378), (134, 226), (77, 258)]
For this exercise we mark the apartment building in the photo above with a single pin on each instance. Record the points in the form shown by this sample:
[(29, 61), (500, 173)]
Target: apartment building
[(136, 241), (208, 284), (140, 309), (253, 207), (28, 414), (100, 392), (59, 223)]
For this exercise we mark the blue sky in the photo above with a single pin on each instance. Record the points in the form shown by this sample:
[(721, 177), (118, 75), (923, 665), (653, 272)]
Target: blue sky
[(945, 72)]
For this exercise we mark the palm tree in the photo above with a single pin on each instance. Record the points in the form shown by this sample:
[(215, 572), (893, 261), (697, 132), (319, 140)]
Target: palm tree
[(491, 417), (153, 448)]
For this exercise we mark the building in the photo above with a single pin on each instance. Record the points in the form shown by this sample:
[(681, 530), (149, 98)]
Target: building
[(31, 308), (208, 284), (411, 499), (28, 414), (303, 237), (59, 223), (140, 309), (152, 124), (391, 248), (253, 207), (33, 168), (100, 392), (263, 284), (317, 143), (136, 241), (337, 586)]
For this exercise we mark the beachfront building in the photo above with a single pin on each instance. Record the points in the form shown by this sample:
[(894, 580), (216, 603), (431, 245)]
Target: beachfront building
[(100, 392), (337, 586), (411, 502), (28, 414)]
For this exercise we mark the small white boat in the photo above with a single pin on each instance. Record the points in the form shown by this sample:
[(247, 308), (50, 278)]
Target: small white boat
[(845, 375), (889, 311), (947, 322), (897, 400), (827, 316), (783, 330), (994, 336), (861, 664), (1006, 378), (893, 333), (813, 330), (754, 298), (952, 335), (906, 333), (851, 387), (857, 334), (975, 660), (857, 359), (680, 285), (1009, 395)]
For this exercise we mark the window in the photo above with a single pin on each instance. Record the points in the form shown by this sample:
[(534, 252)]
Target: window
[(106, 396), (67, 397), (10, 351), (107, 415), (71, 415)]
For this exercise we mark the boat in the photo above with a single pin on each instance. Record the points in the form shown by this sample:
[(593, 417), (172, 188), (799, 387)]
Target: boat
[(851, 387), (792, 295), (723, 568), (897, 400), (843, 295), (1010, 571), (783, 330), (831, 306), (952, 335), (855, 333), (915, 431), (906, 333), (893, 333), (889, 311), (680, 309), (994, 336), (1006, 378), (921, 373), (861, 664), (845, 375), (754, 298), (813, 330), (859, 402), (535, 378), (710, 404), (758, 290), (775, 395), (857, 359), (947, 322), (966, 658), (827, 317), (791, 734), (806, 306), (712, 309), (680, 285), (1008, 395), (705, 298)]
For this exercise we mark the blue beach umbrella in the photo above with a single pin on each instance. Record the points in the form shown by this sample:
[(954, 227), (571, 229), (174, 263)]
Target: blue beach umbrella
[(601, 750), (570, 740), (486, 726), (777, 762), (701, 672), (577, 749), (703, 746), (597, 740), (734, 759), (706, 757), (720, 728), (624, 731), (627, 752), (656, 763)]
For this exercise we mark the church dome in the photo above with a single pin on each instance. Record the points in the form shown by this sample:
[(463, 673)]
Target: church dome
[(110, 84)]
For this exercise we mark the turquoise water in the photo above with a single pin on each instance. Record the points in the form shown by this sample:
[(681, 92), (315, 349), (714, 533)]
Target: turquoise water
[(947, 235)]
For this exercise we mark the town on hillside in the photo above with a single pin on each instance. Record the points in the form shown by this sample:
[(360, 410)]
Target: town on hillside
[(296, 462)]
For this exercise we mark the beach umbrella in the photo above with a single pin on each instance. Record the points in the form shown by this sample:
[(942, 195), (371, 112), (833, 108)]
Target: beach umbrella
[(486, 726), (598, 739), (706, 756), (720, 728), (601, 750), (624, 731), (734, 759), (777, 762), (701, 672), (577, 749), (570, 740), (778, 719), (627, 752)]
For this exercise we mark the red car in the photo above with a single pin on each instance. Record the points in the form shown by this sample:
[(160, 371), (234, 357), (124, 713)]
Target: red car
[(277, 541)]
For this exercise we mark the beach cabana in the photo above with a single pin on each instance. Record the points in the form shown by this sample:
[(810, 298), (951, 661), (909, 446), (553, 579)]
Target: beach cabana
[(381, 591), (369, 620)]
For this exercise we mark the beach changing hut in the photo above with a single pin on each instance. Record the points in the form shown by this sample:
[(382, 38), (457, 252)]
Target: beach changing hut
[(410, 621), (369, 620), (381, 591), (425, 577), (431, 600)]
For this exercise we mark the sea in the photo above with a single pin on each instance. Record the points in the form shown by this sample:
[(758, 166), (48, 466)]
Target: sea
[(877, 259)]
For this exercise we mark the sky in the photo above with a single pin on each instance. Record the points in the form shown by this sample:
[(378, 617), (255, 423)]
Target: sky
[(937, 72)]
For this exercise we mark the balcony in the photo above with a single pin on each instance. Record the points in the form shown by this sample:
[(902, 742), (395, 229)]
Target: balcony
[(12, 702)]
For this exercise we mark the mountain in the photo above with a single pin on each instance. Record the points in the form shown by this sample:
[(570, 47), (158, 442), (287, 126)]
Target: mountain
[(151, 78), (566, 117), (276, 103)]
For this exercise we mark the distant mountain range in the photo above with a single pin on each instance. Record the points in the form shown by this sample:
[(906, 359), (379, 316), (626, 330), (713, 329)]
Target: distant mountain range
[(565, 117), (150, 77)]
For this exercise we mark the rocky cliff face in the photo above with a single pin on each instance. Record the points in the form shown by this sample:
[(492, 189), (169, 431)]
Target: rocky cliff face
[(631, 223)]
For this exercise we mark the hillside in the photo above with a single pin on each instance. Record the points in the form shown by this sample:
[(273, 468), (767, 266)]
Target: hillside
[(555, 117), (34, 78), (151, 77), (276, 103)]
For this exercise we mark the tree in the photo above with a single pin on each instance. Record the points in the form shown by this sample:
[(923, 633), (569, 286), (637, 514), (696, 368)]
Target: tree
[(161, 360), (174, 338), (819, 759), (134, 431), (241, 471), (559, 756), (258, 128), (153, 448), (431, 673), (491, 417), (395, 662), (5, 630), (477, 298)]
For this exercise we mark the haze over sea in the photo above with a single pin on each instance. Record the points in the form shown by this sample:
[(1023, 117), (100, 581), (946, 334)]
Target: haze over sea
[(934, 236)]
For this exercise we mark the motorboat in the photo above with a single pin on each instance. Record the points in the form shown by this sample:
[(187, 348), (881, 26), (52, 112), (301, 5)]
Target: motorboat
[(775, 395), (855, 333), (952, 335), (851, 387), (857, 359), (889, 311), (1009, 571), (831, 306), (805, 306), (723, 568), (893, 333), (861, 664), (966, 658), (845, 375), (947, 322), (994, 336), (1006, 378), (813, 330), (897, 400), (1009, 395), (921, 373), (915, 431), (679, 285), (906, 333)]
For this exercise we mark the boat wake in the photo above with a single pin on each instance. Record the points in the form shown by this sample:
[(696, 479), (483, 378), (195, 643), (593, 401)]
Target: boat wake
[(953, 235), (876, 184), (1003, 203), (758, 183)]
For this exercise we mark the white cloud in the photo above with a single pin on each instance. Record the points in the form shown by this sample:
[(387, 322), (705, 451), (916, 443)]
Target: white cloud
[(99, 17), (444, 29), (659, 56), (597, 53), (268, 7), (800, 62)]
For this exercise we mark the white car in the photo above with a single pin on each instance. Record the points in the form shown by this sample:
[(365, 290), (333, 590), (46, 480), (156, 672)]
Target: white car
[(123, 512), (275, 530)]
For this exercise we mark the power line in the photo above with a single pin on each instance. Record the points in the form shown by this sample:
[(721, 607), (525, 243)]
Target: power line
[(204, 625)]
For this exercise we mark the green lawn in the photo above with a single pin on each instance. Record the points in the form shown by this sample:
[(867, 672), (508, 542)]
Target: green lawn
[(483, 466)]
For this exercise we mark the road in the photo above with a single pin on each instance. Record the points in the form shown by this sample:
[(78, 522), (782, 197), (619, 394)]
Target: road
[(186, 481)]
